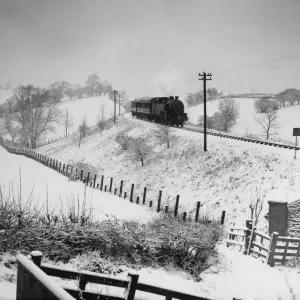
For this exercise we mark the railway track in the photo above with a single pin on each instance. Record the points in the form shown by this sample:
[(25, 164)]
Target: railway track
[(234, 137)]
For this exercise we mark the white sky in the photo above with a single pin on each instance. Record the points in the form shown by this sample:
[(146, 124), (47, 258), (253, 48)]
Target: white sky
[(130, 42)]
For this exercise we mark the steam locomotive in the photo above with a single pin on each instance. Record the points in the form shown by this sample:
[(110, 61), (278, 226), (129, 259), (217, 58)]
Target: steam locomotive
[(164, 110)]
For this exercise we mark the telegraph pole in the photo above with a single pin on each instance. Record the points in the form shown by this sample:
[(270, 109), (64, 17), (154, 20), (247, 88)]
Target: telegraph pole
[(119, 104), (205, 77), (115, 93)]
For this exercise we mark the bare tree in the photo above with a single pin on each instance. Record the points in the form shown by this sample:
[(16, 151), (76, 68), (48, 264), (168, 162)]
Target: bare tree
[(228, 113), (83, 128), (92, 82), (269, 122), (35, 113), (101, 118), (67, 121), (165, 135), (139, 149), (256, 204)]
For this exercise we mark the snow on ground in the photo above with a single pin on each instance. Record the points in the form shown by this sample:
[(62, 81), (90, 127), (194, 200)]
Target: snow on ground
[(233, 275), (42, 183), (225, 178), (289, 117), (79, 108)]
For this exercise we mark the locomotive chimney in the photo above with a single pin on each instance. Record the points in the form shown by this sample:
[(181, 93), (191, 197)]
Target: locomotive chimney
[(176, 97), (171, 97)]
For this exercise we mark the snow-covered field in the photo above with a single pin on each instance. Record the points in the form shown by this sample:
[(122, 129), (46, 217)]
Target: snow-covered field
[(225, 178), (45, 185), (89, 107), (289, 117), (235, 168)]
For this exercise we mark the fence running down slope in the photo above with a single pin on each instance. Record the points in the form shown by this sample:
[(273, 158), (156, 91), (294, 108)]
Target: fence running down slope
[(92, 182)]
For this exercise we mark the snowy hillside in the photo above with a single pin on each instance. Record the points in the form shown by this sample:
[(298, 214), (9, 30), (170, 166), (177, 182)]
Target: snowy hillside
[(289, 117), (44, 185), (91, 107), (224, 178)]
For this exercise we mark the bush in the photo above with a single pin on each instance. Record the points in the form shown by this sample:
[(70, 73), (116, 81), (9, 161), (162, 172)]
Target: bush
[(165, 239), (123, 139)]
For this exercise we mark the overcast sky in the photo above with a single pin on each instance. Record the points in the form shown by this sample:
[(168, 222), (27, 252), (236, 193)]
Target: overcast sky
[(136, 44)]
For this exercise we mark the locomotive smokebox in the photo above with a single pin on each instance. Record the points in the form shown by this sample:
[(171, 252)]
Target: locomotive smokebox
[(176, 97)]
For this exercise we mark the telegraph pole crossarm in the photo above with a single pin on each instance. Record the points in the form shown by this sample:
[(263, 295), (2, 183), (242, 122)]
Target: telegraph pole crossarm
[(205, 77)]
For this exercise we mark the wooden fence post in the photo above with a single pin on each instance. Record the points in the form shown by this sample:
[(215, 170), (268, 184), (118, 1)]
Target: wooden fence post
[(94, 184), (159, 201), (81, 175), (184, 216), (59, 167), (110, 185), (36, 257), (272, 248), (251, 240), (137, 200), (115, 193), (176, 206), (91, 184), (125, 195), (144, 195), (223, 217), (166, 209), (97, 186), (67, 171), (102, 179), (197, 211), (150, 203), (247, 235), (131, 192), (130, 291), (121, 188), (105, 188), (88, 178)]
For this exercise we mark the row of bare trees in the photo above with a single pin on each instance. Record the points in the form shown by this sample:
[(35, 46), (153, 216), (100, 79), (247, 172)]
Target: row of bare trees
[(92, 87)]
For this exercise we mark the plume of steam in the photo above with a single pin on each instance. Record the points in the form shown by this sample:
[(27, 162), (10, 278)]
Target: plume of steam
[(170, 81)]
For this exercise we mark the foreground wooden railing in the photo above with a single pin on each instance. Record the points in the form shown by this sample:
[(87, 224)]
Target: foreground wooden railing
[(33, 283), (269, 249), (131, 284)]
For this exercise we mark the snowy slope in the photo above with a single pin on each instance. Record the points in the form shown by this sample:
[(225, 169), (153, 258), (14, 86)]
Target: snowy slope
[(224, 178), (42, 183), (79, 108), (289, 117)]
